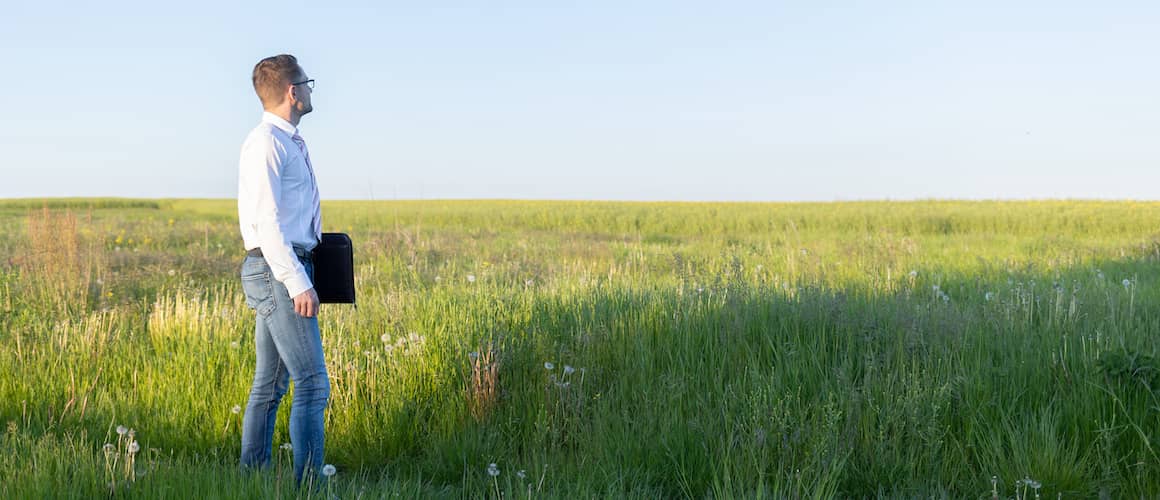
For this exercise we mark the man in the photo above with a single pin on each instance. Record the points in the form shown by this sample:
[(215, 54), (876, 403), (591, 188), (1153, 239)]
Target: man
[(281, 222)]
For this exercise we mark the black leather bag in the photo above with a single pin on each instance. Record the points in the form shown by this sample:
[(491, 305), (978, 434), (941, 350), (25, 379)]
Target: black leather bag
[(334, 269)]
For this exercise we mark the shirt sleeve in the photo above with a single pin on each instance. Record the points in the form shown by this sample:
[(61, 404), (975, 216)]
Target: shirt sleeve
[(261, 169)]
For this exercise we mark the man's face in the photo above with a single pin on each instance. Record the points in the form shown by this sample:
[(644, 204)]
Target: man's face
[(302, 92)]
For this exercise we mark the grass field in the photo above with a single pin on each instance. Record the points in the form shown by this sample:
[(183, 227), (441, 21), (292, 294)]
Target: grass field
[(589, 349)]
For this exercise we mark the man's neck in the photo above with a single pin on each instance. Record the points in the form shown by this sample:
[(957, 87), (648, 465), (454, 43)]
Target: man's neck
[(286, 113)]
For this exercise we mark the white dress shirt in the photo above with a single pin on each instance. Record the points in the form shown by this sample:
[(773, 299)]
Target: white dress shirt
[(278, 206)]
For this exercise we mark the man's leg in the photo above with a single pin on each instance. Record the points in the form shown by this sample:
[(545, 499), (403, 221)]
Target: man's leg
[(270, 374), (270, 382), (299, 344)]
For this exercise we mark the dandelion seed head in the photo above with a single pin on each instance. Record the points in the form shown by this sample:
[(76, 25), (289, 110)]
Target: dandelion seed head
[(172, 272), (1127, 283), (236, 409), (471, 278), (568, 370), (134, 447), (913, 274), (328, 470), (235, 344), (988, 296), (121, 430), (109, 448), (492, 470), (473, 355), (934, 287), (521, 474), (549, 366), (287, 446)]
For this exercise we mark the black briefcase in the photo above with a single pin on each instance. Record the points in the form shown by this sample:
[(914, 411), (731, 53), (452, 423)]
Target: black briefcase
[(334, 269)]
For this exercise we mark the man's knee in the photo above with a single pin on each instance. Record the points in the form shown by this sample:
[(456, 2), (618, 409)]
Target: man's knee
[(315, 387)]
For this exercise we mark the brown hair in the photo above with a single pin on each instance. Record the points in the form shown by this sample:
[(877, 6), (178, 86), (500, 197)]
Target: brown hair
[(271, 77)]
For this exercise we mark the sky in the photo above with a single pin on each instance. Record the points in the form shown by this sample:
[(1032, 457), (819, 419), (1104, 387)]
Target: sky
[(617, 100)]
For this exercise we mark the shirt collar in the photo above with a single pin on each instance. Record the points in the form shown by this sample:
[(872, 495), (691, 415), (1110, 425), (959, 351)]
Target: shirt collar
[(277, 121)]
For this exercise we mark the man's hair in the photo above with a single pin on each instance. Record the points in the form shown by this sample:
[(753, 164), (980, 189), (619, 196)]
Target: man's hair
[(271, 77)]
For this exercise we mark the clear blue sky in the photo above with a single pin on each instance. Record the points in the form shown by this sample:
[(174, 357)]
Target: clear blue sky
[(657, 100)]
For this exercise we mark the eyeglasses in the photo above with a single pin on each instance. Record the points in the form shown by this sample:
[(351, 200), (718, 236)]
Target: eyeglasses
[(309, 83)]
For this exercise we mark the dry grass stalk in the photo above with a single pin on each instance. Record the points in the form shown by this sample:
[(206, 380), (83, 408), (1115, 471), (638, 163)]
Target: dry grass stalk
[(483, 391), (52, 264)]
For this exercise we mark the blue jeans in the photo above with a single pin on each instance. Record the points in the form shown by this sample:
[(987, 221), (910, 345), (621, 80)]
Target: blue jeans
[(288, 346)]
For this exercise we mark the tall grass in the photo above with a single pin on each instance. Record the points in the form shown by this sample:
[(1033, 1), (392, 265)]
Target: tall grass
[(607, 349)]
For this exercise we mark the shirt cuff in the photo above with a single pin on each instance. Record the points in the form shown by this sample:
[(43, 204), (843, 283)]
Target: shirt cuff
[(297, 284)]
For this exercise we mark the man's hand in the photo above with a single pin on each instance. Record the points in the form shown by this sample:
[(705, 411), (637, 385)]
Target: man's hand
[(306, 304)]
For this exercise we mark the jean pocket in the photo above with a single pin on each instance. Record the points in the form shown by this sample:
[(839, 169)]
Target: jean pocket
[(259, 292)]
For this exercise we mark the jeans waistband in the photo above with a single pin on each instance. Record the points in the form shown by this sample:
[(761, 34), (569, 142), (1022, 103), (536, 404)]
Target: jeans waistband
[(301, 252)]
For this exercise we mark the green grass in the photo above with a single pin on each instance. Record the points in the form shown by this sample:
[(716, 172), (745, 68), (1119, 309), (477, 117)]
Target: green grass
[(720, 350)]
